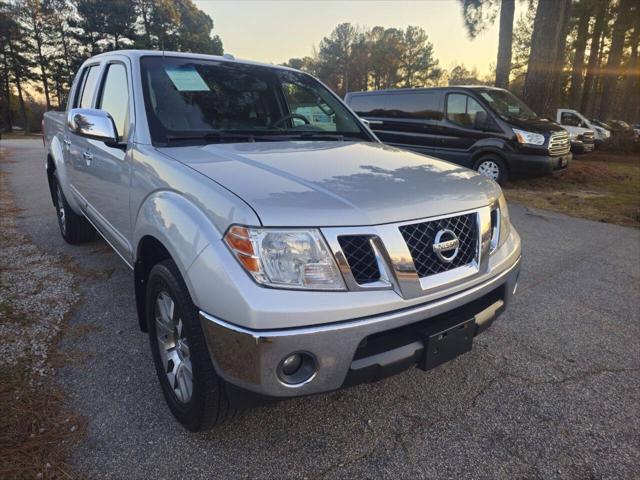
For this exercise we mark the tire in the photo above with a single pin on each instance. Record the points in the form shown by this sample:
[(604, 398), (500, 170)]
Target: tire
[(205, 404), (492, 167), (74, 228)]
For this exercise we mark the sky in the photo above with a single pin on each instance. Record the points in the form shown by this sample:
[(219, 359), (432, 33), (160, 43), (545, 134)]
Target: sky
[(275, 31)]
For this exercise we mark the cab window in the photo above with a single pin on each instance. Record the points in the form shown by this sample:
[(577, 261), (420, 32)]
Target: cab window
[(463, 110), (114, 98), (302, 101), (89, 83), (571, 119)]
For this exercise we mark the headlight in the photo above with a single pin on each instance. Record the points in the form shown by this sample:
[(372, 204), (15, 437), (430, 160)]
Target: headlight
[(573, 136), (500, 224), (298, 259), (529, 138)]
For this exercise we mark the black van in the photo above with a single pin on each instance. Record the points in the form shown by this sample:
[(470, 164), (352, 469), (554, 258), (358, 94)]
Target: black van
[(484, 128)]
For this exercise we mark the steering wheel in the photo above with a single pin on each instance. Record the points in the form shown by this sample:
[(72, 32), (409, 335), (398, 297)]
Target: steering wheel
[(289, 117)]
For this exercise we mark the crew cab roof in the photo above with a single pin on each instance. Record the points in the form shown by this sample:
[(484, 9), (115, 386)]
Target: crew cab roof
[(137, 54)]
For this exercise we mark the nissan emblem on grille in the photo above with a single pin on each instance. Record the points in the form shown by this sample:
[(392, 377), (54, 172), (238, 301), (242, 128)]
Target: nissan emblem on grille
[(446, 245)]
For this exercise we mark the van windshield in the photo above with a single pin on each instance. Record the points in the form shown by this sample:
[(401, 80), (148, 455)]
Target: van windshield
[(507, 105), (189, 99)]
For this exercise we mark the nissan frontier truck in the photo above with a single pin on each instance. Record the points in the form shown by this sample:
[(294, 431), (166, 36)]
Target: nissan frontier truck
[(277, 247)]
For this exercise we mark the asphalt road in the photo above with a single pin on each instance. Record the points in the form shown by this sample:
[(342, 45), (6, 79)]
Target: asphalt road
[(552, 390)]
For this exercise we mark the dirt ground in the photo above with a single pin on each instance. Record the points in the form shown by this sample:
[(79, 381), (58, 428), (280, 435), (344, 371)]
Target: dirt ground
[(600, 186)]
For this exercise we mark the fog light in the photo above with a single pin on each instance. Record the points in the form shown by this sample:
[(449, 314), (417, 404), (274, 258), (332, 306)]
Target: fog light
[(291, 364), (297, 368)]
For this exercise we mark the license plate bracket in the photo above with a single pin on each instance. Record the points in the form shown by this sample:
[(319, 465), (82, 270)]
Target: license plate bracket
[(445, 345)]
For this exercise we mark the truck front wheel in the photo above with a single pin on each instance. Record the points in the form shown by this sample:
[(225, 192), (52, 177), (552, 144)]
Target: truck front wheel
[(194, 392)]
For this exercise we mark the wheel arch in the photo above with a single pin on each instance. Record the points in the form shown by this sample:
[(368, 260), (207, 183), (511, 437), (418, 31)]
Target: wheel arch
[(168, 225)]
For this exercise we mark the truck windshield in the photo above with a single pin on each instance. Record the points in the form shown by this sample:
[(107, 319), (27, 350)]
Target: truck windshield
[(507, 105), (212, 101)]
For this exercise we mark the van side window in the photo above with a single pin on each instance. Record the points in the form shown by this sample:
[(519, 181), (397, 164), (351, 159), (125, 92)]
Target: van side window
[(420, 106), (115, 96), (463, 110), (368, 105), (88, 86)]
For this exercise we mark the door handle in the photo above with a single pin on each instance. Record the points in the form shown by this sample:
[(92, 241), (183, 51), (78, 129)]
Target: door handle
[(88, 157)]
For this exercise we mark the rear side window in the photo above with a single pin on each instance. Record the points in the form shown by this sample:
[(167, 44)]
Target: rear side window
[(368, 105), (115, 96), (89, 83), (420, 106), (462, 109)]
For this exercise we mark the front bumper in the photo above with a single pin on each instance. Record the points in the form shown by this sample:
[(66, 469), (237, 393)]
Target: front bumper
[(531, 165), (249, 358), (579, 146)]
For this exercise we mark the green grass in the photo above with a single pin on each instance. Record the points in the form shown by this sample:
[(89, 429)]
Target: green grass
[(601, 186)]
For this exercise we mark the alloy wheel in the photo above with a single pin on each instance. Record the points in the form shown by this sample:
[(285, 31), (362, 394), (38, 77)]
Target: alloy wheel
[(173, 347), (62, 215)]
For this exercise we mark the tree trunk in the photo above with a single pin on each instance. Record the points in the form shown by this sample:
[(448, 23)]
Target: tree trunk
[(631, 90), (43, 74), (8, 120), (579, 47), (594, 57), (16, 77), (558, 67), (541, 72), (610, 74), (505, 40)]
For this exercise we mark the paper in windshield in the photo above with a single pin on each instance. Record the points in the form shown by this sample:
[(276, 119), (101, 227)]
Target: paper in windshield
[(186, 79)]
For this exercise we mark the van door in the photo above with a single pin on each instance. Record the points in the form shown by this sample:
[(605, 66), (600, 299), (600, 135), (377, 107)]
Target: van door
[(110, 169), (411, 120), (463, 126)]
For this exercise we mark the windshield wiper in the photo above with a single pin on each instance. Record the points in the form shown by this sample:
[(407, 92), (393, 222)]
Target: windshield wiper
[(308, 136), (211, 136)]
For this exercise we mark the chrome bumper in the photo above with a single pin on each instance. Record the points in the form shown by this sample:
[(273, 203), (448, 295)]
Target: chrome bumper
[(250, 358)]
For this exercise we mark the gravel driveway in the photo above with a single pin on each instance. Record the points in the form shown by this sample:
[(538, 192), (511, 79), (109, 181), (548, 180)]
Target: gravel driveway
[(552, 390)]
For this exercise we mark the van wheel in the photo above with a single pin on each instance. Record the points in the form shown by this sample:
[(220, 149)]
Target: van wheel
[(75, 229), (194, 392), (493, 168)]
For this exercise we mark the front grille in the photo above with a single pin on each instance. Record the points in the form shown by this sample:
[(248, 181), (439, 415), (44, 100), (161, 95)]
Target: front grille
[(559, 144), (361, 258), (420, 238)]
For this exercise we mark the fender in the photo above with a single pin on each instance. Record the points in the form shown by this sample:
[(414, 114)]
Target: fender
[(182, 228), (55, 161)]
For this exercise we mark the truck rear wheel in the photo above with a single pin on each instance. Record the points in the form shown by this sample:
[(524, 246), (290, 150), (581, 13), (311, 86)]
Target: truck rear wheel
[(194, 392), (493, 168), (74, 228)]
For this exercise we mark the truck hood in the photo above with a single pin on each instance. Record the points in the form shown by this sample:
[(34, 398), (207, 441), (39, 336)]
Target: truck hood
[(330, 183)]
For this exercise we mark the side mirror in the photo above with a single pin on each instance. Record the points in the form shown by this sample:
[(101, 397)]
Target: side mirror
[(480, 122), (93, 123)]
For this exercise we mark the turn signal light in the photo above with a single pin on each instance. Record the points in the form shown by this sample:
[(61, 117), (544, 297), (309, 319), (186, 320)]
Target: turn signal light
[(239, 241)]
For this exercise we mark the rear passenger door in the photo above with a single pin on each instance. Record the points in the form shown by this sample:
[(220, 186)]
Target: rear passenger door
[(79, 147)]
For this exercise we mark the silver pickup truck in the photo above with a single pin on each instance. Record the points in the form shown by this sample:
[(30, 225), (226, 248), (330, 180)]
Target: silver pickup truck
[(278, 248)]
